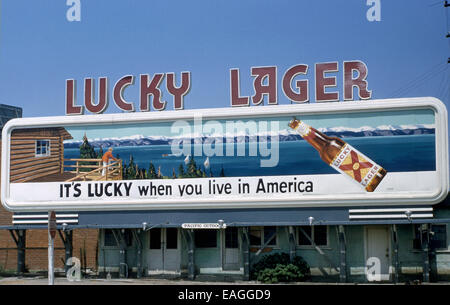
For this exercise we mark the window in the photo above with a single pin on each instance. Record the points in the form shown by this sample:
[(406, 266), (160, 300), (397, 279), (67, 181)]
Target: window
[(128, 236), (172, 238), (231, 237), (155, 238), (317, 234), (259, 236), (109, 240), (438, 238), (42, 148), (205, 238)]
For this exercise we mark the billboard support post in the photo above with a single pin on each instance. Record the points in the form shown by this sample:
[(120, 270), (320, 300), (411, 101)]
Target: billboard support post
[(191, 247), (246, 252), (291, 238), (19, 238), (394, 236), (343, 255), (51, 246), (425, 243), (67, 238)]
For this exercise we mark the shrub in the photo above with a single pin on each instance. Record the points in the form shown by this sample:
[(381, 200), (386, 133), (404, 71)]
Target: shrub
[(279, 268), (281, 273)]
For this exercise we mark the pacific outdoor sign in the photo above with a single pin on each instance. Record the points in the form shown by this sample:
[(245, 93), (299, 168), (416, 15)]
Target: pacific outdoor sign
[(385, 152), (265, 83)]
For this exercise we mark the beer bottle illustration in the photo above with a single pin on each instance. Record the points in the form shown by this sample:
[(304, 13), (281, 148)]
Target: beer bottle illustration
[(341, 156)]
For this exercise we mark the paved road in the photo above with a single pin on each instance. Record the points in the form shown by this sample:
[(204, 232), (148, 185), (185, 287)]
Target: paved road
[(63, 281), (41, 280)]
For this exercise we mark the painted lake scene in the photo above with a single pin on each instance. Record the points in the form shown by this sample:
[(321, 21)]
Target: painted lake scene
[(264, 147)]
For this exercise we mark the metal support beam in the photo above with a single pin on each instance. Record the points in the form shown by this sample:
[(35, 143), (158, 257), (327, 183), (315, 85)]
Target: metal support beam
[(394, 239), (271, 237), (245, 252), (19, 237), (343, 255), (67, 239), (433, 263), (292, 244), (191, 248), (425, 242), (120, 240), (327, 258), (137, 237)]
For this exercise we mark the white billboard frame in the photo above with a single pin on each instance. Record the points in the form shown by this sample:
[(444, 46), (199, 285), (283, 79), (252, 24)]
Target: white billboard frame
[(328, 200)]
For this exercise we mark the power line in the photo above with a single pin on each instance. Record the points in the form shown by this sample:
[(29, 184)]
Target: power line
[(419, 84), (443, 84), (446, 4), (434, 4), (418, 81), (421, 78)]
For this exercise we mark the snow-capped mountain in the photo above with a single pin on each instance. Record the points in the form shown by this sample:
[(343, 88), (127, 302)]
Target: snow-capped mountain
[(282, 135)]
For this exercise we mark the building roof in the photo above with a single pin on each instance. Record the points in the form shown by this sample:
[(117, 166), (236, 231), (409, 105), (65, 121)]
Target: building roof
[(47, 131)]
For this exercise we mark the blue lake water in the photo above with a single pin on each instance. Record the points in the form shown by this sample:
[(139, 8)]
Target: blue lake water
[(394, 153)]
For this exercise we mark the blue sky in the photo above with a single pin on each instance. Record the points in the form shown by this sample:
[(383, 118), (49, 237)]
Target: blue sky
[(406, 52)]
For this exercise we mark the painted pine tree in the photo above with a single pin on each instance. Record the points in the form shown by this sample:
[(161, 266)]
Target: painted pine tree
[(181, 173), (152, 171), (87, 151)]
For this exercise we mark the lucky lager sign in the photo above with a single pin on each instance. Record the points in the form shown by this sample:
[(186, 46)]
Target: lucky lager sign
[(385, 152)]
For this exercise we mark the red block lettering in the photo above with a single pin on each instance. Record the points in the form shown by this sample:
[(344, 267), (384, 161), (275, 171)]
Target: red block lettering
[(359, 82), (118, 93), (270, 89), (151, 89), (322, 82), (89, 95), (179, 92), (301, 95), (237, 100), (70, 98)]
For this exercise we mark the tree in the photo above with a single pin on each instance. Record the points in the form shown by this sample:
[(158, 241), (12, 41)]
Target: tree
[(191, 168), (87, 151), (152, 172), (100, 153), (160, 174), (181, 173), (131, 169), (136, 169)]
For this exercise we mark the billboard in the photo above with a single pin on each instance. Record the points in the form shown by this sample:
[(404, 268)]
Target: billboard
[(382, 152)]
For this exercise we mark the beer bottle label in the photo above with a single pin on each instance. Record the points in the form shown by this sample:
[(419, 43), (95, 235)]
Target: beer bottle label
[(303, 129), (351, 162)]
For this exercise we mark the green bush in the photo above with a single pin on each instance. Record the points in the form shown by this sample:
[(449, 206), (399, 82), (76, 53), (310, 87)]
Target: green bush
[(281, 273), (277, 267)]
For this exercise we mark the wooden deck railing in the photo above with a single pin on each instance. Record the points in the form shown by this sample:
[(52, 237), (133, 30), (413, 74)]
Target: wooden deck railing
[(113, 171)]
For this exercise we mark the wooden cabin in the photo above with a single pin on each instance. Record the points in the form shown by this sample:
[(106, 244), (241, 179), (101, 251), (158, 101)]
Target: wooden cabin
[(37, 155), (37, 152)]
